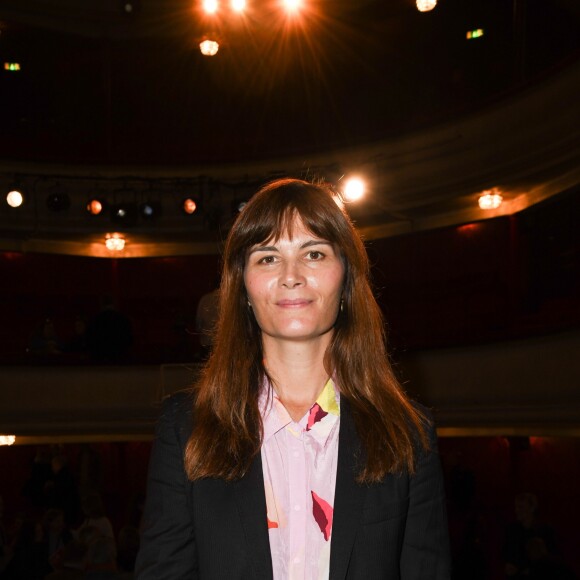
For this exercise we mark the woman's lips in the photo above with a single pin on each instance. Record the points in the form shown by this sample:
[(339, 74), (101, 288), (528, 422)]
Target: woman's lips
[(295, 303)]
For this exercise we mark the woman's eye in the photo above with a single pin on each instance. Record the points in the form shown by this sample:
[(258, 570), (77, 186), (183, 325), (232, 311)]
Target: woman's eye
[(315, 255), (267, 260)]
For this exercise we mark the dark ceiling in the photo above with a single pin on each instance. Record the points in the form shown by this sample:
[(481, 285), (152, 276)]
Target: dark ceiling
[(99, 86)]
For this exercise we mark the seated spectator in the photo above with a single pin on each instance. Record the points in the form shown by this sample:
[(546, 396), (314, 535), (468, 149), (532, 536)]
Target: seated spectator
[(92, 506), (55, 536), (61, 489), (3, 538), (128, 546), (44, 340), (543, 565), (109, 335), (73, 563), (102, 560), (526, 527), (27, 556)]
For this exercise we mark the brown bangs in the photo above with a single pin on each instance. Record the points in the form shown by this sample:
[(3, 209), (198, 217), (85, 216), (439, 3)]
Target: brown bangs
[(271, 213)]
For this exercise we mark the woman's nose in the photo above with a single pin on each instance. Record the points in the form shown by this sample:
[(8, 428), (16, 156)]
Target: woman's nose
[(291, 275)]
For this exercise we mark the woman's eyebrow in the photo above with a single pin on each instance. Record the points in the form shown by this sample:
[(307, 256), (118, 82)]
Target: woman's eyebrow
[(315, 243), (262, 249), (275, 249)]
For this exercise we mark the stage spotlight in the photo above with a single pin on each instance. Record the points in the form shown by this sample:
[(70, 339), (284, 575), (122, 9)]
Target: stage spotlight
[(58, 201), (96, 206), (150, 210), (292, 5), (210, 6), (115, 242), (238, 205), (354, 189), (426, 5), (209, 47), (238, 5), (129, 7), (124, 213), (190, 205), (490, 199), (15, 198)]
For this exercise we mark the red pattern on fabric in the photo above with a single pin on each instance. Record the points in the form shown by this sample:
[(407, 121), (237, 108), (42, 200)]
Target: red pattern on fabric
[(322, 512), (272, 524), (317, 413)]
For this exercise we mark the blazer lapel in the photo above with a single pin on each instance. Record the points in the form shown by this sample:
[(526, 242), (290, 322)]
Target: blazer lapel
[(251, 501), (349, 496)]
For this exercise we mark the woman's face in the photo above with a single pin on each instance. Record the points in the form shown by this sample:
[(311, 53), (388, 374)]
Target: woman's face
[(294, 285)]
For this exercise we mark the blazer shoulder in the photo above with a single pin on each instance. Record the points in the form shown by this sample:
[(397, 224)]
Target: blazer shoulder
[(177, 410)]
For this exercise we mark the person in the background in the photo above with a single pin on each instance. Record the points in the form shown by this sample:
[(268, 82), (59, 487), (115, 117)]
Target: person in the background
[(298, 454), (101, 561), (519, 533), (206, 319), (109, 334), (3, 538), (95, 516)]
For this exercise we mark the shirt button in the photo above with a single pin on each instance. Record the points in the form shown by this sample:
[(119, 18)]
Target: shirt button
[(296, 454), (297, 560), (296, 507)]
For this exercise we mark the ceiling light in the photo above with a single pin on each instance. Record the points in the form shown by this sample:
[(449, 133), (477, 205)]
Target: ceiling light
[(292, 5), (124, 213), (209, 47), (478, 33), (354, 189), (95, 206), (210, 6), (150, 209), (14, 198), (426, 5), (490, 199), (7, 439), (238, 5), (190, 205), (115, 242)]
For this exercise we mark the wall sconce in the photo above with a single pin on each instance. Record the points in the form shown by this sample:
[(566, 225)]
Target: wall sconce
[(115, 242)]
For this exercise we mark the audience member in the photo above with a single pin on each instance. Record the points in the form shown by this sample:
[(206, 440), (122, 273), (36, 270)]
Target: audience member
[(94, 511), (206, 319), (109, 334), (526, 527), (44, 340), (102, 560), (3, 538), (543, 565), (77, 343), (27, 556), (90, 472), (127, 548), (55, 536), (40, 474), (74, 563), (61, 489)]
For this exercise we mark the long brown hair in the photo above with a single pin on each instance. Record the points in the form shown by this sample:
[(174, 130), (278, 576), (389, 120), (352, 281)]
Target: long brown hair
[(227, 431)]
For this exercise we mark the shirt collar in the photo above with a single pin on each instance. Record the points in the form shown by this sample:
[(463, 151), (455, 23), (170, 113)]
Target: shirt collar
[(318, 421)]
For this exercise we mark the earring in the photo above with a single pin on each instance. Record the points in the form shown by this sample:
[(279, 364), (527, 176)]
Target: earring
[(249, 305), (342, 304)]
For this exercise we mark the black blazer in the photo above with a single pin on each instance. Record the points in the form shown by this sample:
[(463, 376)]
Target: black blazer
[(214, 530)]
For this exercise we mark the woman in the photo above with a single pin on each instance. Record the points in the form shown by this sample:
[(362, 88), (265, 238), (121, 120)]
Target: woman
[(298, 455)]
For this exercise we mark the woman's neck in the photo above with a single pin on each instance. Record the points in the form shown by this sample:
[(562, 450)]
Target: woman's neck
[(298, 373)]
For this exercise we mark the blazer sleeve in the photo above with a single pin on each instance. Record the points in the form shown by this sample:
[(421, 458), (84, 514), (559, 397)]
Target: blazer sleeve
[(425, 553), (168, 550)]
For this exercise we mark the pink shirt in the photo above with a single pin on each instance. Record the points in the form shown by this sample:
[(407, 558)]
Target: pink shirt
[(299, 463)]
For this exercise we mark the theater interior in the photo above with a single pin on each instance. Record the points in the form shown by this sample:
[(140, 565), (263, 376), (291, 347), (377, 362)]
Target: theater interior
[(126, 154)]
